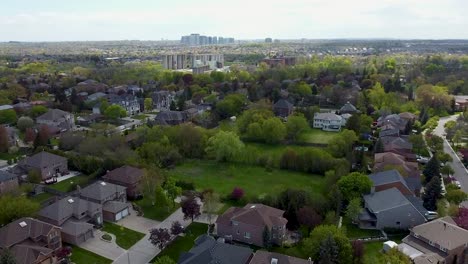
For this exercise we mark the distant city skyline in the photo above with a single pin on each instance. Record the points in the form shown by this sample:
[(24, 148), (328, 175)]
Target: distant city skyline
[(90, 20)]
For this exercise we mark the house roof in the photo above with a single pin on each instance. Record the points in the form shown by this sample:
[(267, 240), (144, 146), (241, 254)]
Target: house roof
[(42, 159), (395, 142), (385, 200), (101, 190), (53, 114), (21, 230), (328, 116), (348, 108), (254, 214), (170, 116), (444, 232), (29, 253), (209, 251), (114, 206), (68, 207), (265, 257), (386, 177), (76, 228), (283, 104), (389, 132), (407, 115), (6, 176), (126, 174)]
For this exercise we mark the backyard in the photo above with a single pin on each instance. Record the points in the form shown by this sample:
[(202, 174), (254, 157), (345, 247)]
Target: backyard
[(316, 136), (41, 197), (254, 180), (69, 184), (155, 212), (183, 243), (354, 232), (373, 250), (125, 237), (83, 256)]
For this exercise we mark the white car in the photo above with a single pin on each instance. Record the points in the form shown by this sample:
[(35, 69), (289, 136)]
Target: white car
[(457, 183)]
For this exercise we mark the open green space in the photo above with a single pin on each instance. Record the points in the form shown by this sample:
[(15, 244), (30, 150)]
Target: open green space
[(83, 256), (140, 117), (354, 232), (41, 197), (9, 156), (183, 243), (316, 136), (253, 180), (69, 184), (125, 237), (373, 250), (155, 212)]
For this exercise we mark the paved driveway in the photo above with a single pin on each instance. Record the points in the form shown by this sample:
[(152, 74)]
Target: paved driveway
[(137, 223), (103, 248), (461, 174)]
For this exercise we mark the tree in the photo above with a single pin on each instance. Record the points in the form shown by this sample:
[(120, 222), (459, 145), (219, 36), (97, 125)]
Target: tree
[(42, 138), (432, 192), (176, 228), (379, 146), (354, 124), (34, 176), (150, 180), (295, 126), (7, 257), (432, 169), (237, 193), (274, 131), (164, 260), (358, 250), (173, 191), (159, 237), (342, 143), (7, 116), (210, 204), (24, 123), (4, 143), (354, 185), (353, 209), (190, 208), (266, 236), (114, 112), (64, 253), (418, 143), (231, 105), (161, 197), (308, 217), (462, 218), (29, 135), (16, 207), (328, 251), (312, 245), (224, 146), (456, 196), (447, 170), (38, 110), (148, 103), (393, 256)]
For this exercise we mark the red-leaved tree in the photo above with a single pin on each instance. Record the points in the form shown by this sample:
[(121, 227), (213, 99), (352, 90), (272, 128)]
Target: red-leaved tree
[(462, 219), (190, 208), (237, 194), (308, 217), (358, 251), (159, 237)]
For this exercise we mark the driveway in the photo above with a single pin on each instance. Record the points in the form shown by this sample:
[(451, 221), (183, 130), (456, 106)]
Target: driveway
[(103, 248), (461, 173), (138, 223)]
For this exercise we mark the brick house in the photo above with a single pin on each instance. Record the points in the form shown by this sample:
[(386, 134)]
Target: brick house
[(127, 176), (283, 108), (8, 182), (47, 164), (247, 224), (389, 179), (57, 118), (31, 241), (438, 241)]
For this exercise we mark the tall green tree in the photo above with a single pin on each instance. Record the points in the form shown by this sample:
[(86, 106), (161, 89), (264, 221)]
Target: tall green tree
[(432, 169), (311, 245), (7, 116), (114, 112), (266, 236), (4, 144), (161, 197), (16, 207), (432, 192), (224, 146), (295, 126), (353, 209), (274, 130), (328, 251), (173, 191), (148, 103), (7, 257), (354, 185)]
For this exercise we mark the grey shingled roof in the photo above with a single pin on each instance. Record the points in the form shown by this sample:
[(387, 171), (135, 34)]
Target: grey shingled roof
[(5, 176), (283, 104), (42, 159), (76, 228), (114, 206), (385, 200), (64, 208), (385, 177), (126, 174), (13, 233), (328, 116), (53, 114), (209, 251), (100, 191), (265, 257), (348, 108)]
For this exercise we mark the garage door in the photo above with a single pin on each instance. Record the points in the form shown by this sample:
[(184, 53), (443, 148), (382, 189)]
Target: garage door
[(125, 212), (118, 216)]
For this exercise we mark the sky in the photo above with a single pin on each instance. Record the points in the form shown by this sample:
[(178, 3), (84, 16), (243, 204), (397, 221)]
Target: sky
[(81, 20)]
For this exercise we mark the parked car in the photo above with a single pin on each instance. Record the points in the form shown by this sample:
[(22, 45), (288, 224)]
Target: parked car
[(431, 215), (457, 183)]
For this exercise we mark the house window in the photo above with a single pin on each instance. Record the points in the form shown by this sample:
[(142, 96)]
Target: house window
[(247, 235), (398, 223), (280, 228)]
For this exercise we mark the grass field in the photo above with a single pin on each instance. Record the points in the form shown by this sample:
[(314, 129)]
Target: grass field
[(83, 256), (155, 212), (373, 250), (253, 179), (183, 243), (40, 197), (140, 117), (68, 184), (125, 237), (316, 136), (354, 232)]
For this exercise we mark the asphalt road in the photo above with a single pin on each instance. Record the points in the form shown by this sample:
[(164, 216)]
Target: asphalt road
[(461, 173)]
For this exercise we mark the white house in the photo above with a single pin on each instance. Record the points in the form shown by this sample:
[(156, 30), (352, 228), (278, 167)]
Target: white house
[(328, 121)]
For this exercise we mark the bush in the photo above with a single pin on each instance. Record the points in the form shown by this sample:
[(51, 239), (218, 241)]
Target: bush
[(237, 194), (106, 237), (185, 185)]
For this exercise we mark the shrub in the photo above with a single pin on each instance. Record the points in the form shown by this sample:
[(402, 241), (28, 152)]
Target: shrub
[(185, 185), (237, 194)]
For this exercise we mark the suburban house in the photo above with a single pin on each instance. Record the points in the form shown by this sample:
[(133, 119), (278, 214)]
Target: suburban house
[(389, 179), (162, 100), (95, 96), (127, 176), (170, 118), (57, 118), (389, 160), (8, 182), (395, 120), (461, 102), (31, 241), (75, 216), (130, 103), (265, 257), (408, 116), (438, 241), (112, 197), (389, 131), (328, 121), (400, 144), (47, 164), (283, 108), (247, 224), (348, 108), (390, 209), (208, 250)]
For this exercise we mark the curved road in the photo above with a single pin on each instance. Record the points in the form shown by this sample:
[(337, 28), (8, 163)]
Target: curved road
[(461, 173)]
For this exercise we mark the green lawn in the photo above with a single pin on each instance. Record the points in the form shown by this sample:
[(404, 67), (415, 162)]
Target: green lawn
[(140, 117), (83, 256), (253, 179), (316, 136), (41, 197), (125, 237), (373, 250), (8, 156), (69, 184), (183, 243), (353, 231), (155, 212)]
